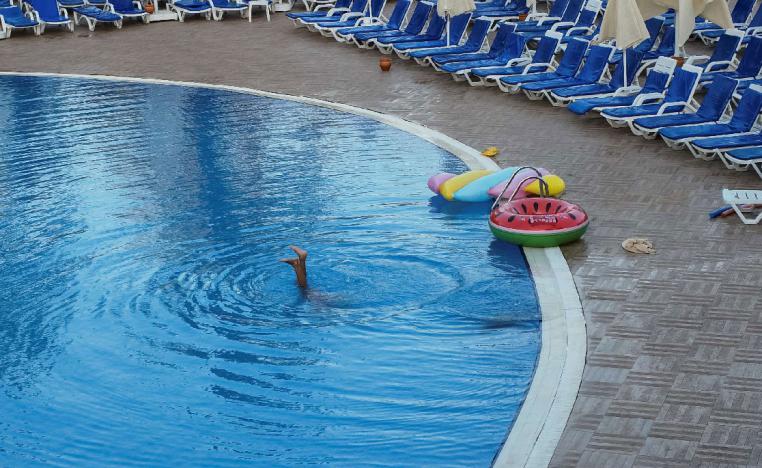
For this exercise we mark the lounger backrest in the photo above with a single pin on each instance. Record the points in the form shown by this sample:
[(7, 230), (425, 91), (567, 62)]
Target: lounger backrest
[(342, 4), (596, 63), (667, 44), (514, 47), (751, 62), (478, 33), (632, 63), (572, 59), (47, 9), (748, 109), (436, 25), (653, 25), (659, 76), (499, 41), (588, 15), (122, 5), (719, 93), (358, 6), (12, 12), (558, 8), (683, 84), (546, 49), (727, 46), (756, 20), (419, 17), (458, 25), (398, 14), (741, 11), (573, 9), (377, 7)]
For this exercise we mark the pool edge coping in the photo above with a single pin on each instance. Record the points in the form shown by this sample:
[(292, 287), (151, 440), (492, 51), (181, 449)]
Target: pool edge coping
[(542, 418)]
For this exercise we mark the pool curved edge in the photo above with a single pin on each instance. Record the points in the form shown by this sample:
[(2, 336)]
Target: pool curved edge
[(535, 433)]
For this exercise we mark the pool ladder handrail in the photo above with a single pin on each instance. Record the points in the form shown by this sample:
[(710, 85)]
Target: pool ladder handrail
[(544, 189)]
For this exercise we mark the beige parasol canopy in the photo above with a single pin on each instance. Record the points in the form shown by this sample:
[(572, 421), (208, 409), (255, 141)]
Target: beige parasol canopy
[(624, 23), (454, 7)]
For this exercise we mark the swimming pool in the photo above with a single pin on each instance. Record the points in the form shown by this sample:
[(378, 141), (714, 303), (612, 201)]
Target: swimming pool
[(145, 316)]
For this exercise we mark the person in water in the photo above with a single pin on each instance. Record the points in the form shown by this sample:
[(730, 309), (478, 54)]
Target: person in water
[(299, 265)]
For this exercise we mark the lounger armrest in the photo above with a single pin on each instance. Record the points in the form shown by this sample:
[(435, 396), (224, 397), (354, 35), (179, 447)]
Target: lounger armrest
[(753, 31), (645, 98), (323, 6), (718, 65), (368, 21), (137, 4), (518, 61), (572, 31), (665, 105), (535, 16), (547, 19), (350, 15), (696, 58), (561, 24), (333, 11), (63, 12), (3, 28), (627, 91), (541, 66), (109, 7)]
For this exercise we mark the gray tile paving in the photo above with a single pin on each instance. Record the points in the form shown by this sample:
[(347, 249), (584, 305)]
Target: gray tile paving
[(674, 369)]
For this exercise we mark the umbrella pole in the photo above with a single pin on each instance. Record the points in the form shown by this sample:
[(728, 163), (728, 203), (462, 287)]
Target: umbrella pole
[(624, 57), (448, 28)]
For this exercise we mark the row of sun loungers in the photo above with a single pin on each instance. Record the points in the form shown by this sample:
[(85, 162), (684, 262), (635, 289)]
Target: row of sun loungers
[(36, 15), (551, 56)]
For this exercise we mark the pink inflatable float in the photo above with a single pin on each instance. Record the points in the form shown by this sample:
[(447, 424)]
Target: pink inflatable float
[(436, 180)]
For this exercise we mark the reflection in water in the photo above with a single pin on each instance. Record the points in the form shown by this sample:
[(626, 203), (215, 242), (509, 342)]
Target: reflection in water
[(144, 316)]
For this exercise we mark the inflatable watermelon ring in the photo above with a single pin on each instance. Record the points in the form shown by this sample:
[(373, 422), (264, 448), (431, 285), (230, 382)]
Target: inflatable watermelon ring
[(538, 222)]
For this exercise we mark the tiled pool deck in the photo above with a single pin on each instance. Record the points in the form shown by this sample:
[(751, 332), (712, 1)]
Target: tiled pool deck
[(674, 371)]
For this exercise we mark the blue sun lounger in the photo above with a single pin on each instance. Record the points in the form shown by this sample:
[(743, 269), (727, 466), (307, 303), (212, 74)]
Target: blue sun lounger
[(368, 25), (12, 18), (555, 13), (753, 27), (510, 11), (512, 54), (496, 47), (749, 66), (542, 61), (474, 43), (220, 7), (724, 55), (356, 10), (708, 148), (564, 96), (743, 158), (742, 121), (592, 72), (320, 11), (567, 68), (94, 15), (712, 109), (349, 20), (433, 31), (184, 8), (666, 48), (570, 15), (71, 3), (414, 26), (653, 90), (127, 9), (458, 25), (48, 13), (679, 96)]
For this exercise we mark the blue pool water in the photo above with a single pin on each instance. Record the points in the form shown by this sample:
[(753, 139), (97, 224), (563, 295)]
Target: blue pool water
[(145, 319)]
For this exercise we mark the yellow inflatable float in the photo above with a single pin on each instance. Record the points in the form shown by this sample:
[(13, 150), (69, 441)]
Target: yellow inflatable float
[(556, 186)]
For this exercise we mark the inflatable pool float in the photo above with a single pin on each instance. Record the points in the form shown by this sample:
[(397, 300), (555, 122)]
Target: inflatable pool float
[(536, 222), (519, 180), (436, 180), (478, 190), (450, 186), (556, 186)]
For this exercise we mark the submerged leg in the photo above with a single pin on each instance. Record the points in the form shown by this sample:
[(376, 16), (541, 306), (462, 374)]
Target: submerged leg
[(299, 264)]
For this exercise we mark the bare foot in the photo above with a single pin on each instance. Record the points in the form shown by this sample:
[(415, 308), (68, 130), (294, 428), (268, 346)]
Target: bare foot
[(299, 265)]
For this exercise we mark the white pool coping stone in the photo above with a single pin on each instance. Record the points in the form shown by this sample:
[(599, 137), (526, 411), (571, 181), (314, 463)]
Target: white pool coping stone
[(546, 409)]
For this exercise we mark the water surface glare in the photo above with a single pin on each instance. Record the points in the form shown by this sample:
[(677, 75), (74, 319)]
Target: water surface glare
[(145, 319)]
